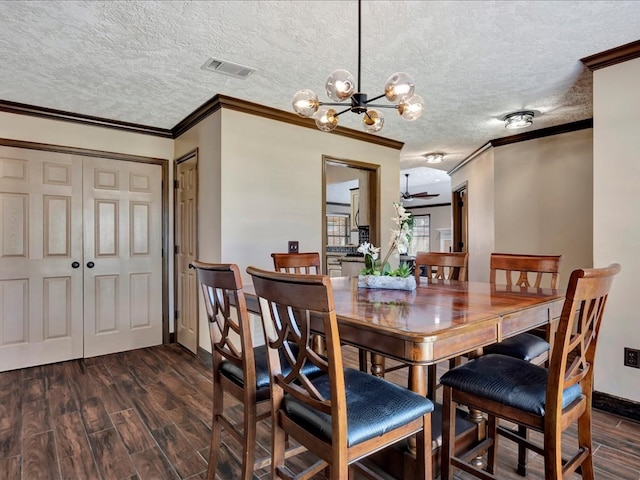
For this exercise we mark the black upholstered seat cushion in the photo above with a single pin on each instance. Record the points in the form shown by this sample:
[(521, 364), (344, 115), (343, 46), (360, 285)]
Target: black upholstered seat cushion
[(507, 380), (374, 406), (234, 373), (525, 346)]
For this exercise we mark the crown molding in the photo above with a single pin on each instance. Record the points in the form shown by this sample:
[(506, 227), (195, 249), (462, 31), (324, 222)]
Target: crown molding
[(613, 56), (244, 106), (199, 114), (85, 152), (523, 137), (543, 132), (52, 114), (470, 158)]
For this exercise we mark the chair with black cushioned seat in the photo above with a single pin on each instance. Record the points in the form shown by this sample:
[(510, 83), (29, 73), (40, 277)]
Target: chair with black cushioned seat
[(526, 346), (548, 400), (440, 266), (238, 368), (529, 346), (342, 415)]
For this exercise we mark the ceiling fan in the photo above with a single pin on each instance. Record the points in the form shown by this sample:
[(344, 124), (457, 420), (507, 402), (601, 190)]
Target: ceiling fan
[(410, 196)]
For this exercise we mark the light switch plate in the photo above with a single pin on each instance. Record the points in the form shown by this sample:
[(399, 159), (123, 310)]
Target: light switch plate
[(293, 246)]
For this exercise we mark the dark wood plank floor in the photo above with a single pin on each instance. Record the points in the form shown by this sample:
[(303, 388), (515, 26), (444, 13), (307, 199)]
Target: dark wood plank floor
[(145, 414)]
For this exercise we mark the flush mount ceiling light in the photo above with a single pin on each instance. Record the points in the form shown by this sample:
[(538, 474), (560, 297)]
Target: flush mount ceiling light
[(341, 86), (518, 119), (434, 157)]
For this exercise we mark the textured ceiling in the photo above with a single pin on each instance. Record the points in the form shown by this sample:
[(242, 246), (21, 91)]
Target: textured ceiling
[(473, 61)]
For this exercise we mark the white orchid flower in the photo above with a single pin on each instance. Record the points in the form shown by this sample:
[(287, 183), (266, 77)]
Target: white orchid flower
[(364, 248), (399, 241)]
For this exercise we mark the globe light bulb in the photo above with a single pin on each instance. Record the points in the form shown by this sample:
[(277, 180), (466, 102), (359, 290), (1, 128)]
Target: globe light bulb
[(305, 102), (373, 121), (411, 108), (326, 119), (340, 85), (399, 85)]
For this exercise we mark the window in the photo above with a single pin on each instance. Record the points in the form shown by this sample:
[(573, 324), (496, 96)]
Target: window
[(337, 229), (420, 235)]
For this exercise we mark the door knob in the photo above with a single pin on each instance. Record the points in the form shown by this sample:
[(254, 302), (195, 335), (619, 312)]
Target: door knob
[(91, 264), (191, 265), (75, 264)]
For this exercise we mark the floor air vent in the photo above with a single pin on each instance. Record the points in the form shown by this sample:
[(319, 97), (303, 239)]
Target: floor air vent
[(228, 68)]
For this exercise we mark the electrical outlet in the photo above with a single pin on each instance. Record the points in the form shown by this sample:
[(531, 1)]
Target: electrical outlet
[(631, 357), (293, 246)]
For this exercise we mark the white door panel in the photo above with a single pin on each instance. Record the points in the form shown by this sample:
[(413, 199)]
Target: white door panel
[(123, 242), (186, 232), (40, 238)]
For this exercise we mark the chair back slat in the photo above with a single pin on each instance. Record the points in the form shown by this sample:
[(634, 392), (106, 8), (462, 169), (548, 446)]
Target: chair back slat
[(530, 269), (288, 303), (227, 314), (306, 263), (441, 265), (577, 334)]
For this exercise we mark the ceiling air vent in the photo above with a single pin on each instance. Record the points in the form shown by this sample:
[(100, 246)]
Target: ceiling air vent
[(228, 68)]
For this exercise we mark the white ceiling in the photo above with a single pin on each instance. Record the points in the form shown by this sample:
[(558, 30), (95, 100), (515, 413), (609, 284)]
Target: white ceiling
[(473, 61)]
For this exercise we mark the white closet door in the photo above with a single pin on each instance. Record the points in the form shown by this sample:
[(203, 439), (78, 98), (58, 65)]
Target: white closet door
[(122, 256), (40, 239)]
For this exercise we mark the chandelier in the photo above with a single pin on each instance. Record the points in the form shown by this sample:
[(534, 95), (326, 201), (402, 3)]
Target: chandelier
[(341, 86)]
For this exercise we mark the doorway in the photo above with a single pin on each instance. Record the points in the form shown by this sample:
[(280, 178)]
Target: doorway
[(350, 188), (460, 219)]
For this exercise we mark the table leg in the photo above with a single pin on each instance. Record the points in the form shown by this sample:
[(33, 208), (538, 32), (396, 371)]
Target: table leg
[(377, 365), (418, 384), (317, 344), (477, 417)]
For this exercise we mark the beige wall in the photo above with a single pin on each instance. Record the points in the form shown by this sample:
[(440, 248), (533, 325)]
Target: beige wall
[(479, 177), (205, 137), (616, 155), (543, 198), (261, 186), (272, 185), (41, 130), (531, 197)]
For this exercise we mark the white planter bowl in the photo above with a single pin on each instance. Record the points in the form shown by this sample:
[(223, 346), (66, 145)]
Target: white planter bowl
[(387, 282)]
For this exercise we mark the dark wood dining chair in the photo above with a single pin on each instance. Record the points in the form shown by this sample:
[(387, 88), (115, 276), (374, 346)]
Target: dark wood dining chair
[(305, 263), (239, 369), (547, 400), (441, 266), (531, 271), (297, 262), (537, 271), (343, 415)]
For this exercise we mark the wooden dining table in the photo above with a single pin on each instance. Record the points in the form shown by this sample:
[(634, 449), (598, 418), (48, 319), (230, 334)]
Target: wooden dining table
[(439, 320)]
